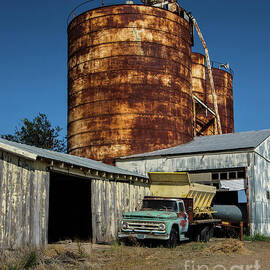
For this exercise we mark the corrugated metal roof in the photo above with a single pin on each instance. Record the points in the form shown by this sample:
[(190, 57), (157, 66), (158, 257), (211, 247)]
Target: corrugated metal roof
[(33, 152), (215, 143)]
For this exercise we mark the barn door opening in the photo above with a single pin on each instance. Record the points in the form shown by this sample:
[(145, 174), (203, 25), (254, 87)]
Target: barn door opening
[(70, 214)]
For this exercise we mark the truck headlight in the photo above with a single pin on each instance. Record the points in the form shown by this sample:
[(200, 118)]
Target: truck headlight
[(124, 225), (161, 227)]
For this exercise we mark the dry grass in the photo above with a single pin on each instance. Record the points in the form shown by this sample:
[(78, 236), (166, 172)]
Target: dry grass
[(228, 247), (84, 256)]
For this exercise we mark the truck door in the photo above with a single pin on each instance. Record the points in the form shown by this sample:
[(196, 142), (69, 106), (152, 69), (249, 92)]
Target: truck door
[(183, 217)]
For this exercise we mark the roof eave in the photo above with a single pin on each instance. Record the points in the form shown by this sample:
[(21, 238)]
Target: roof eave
[(61, 166), (186, 154), (17, 151)]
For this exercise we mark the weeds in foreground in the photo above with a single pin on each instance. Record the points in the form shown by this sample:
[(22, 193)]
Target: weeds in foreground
[(80, 250), (256, 237), (20, 261), (83, 256), (197, 246), (30, 260), (116, 245)]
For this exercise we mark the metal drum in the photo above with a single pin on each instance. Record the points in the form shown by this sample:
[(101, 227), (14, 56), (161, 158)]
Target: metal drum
[(233, 213)]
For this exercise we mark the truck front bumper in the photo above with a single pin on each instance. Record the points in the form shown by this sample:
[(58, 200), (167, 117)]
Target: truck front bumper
[(142, 236)]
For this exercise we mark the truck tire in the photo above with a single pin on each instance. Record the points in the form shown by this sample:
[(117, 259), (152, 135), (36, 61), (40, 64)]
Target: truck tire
[(211, 231), (205, 234), (172, 241), (197, 236), (194, 234)]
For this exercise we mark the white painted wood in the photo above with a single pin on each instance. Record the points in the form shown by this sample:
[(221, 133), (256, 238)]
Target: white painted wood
[(17, 151)]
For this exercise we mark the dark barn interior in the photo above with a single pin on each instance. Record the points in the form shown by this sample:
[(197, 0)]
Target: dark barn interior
[(230, 202), (69, 208)]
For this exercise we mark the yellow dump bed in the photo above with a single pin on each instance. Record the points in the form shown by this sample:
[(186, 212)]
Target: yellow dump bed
[(177, 184)]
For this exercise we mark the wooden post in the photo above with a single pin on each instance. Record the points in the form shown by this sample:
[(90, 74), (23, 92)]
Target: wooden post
[(248, 209), (194, 118), (241, 230), (219, 129)]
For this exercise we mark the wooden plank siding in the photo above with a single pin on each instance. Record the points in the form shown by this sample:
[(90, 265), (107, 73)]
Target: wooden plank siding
[(24, 202), (24, 187), (109, 200)]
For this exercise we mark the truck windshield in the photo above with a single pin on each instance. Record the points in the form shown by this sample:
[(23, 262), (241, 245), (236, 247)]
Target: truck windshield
[(160, 205)]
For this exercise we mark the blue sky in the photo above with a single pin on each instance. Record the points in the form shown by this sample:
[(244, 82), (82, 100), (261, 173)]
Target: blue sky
[(33, 71)]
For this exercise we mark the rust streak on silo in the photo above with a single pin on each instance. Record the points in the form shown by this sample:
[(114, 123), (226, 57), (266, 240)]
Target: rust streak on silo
[(198, 76), (129, 81), (224, 89), (203, 121)]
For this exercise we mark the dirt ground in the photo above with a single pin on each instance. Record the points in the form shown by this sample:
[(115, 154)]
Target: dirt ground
[(218, 254)]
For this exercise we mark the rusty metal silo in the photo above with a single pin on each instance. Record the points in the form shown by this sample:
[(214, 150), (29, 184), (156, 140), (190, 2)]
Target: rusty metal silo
[(223, 81), (198, 76), (204, 121), (129, 81)]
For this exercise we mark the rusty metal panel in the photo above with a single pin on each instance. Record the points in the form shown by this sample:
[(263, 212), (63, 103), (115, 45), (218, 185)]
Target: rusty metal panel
[(129, 81), (203, 120), (224, 89), (198, 76)]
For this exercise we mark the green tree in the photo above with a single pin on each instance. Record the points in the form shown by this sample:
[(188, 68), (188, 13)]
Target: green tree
[(38, 132)]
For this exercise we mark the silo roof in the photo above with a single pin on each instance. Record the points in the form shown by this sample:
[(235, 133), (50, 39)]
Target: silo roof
[(214, 143)]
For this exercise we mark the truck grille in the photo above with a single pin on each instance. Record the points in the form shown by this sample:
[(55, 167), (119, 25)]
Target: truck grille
[(143, 225)]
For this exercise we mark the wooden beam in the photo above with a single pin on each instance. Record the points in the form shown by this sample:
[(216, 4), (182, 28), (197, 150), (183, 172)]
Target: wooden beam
[(194, 118), (209, 69)]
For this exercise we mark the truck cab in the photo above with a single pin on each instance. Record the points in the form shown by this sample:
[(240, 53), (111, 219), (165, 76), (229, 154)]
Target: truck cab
[(159, 218)]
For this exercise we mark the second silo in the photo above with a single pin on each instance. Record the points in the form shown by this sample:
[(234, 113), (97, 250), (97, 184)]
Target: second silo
[(224, 89), (129, 81), (223, 81)]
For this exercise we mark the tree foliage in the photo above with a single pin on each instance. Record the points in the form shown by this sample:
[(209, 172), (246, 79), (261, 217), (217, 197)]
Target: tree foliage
[(38, 132)]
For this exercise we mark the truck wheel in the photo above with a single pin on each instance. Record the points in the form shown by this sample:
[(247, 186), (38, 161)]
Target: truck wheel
[(172, 241), (205, 234), (197, 236), (211, 231)]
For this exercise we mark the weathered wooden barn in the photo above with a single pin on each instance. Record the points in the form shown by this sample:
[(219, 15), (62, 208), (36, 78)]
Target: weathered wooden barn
[(237, 164), (47, 196)]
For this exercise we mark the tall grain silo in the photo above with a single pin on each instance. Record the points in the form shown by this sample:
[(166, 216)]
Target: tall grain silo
[(129, 81), (223, 82), (224, 89), (204, 122)]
